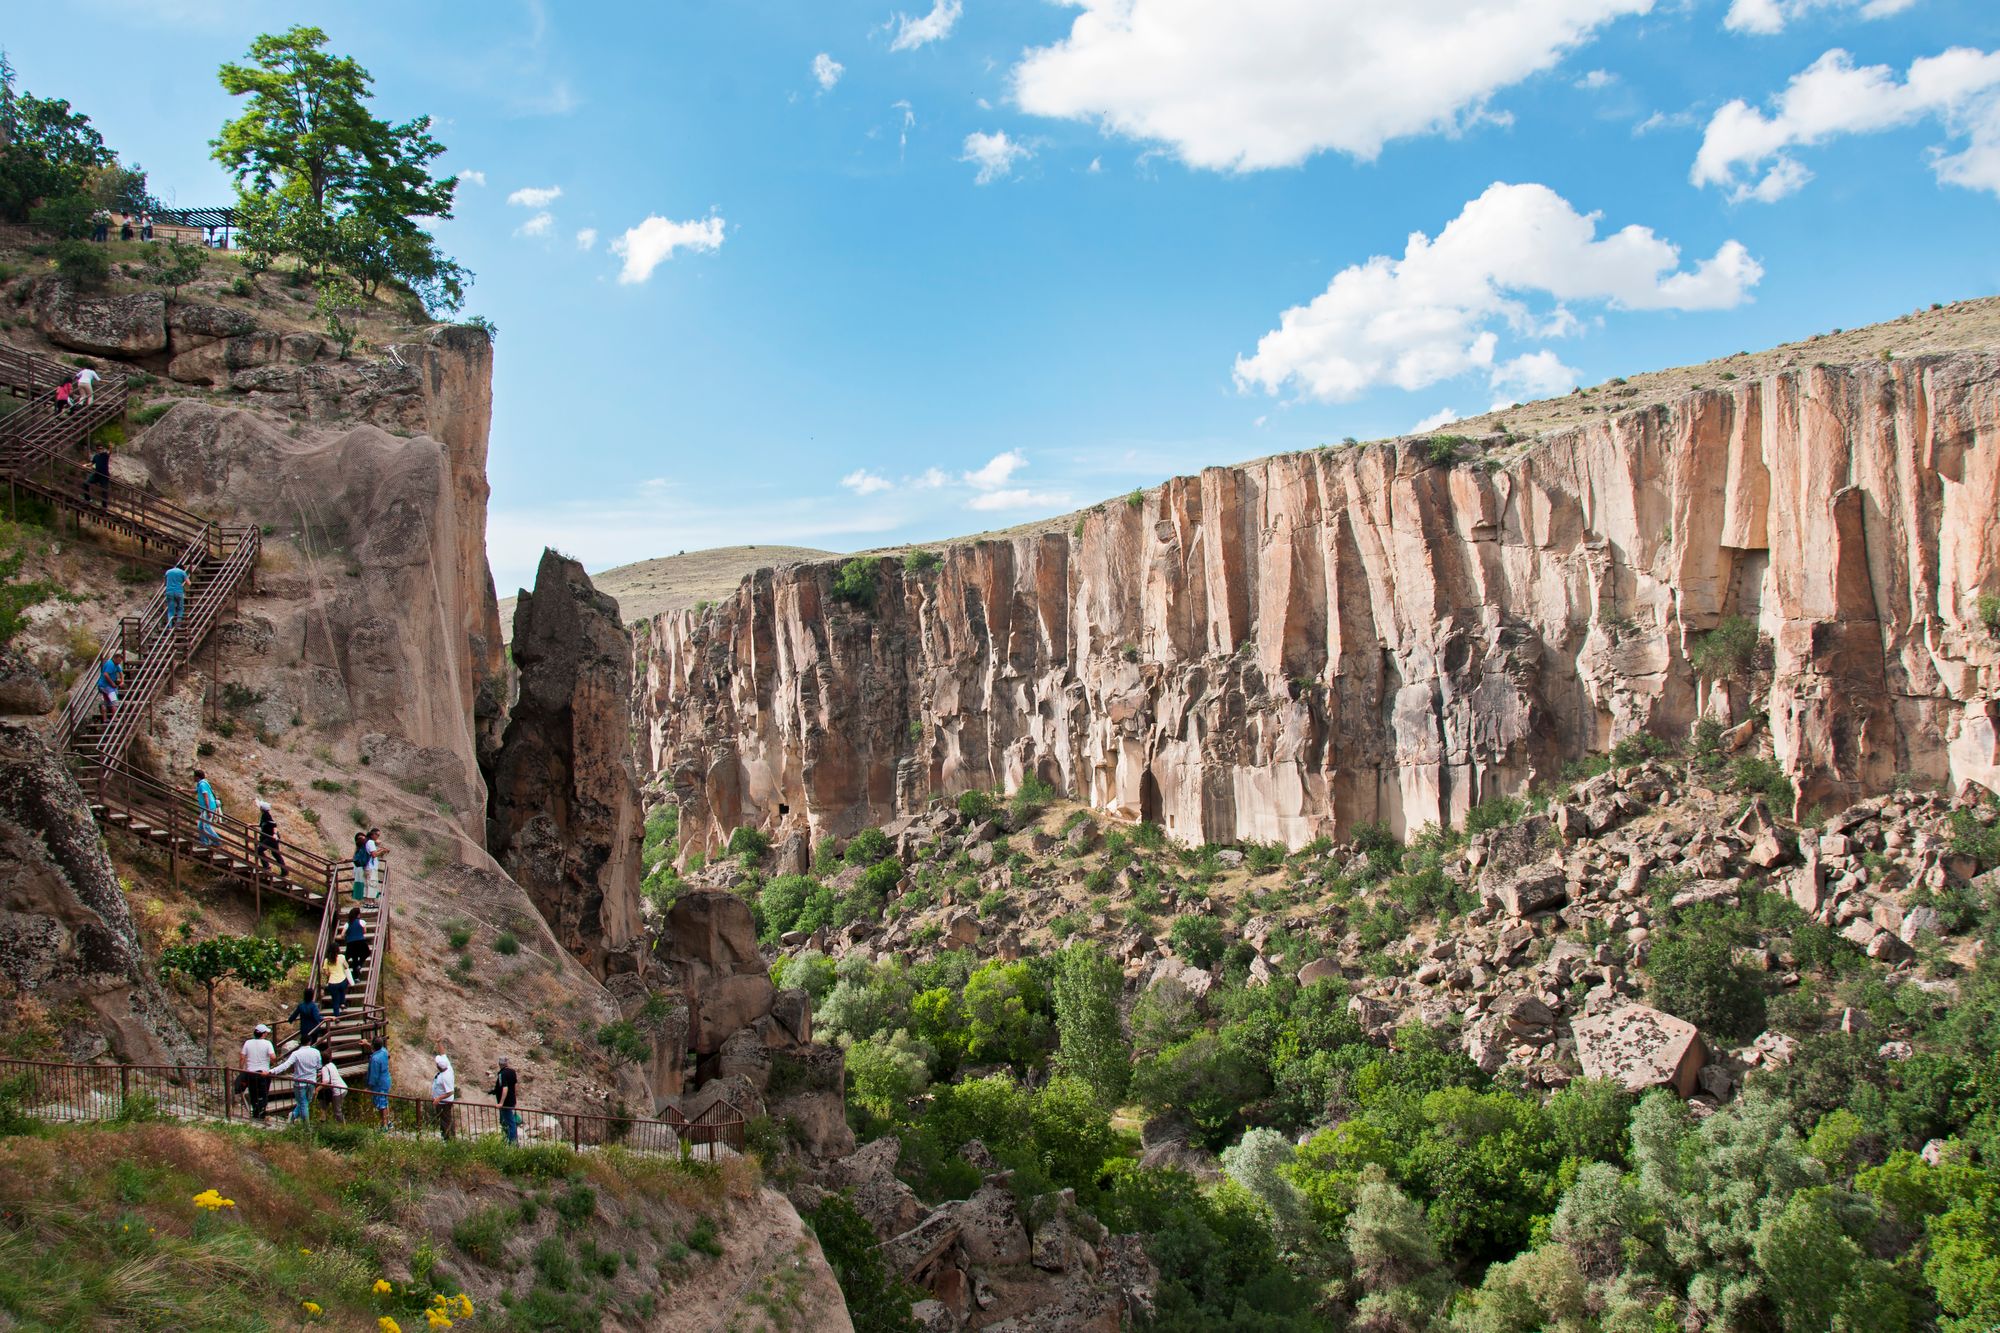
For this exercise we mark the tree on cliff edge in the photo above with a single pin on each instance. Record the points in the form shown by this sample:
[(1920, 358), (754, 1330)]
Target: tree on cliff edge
[(320, 177)]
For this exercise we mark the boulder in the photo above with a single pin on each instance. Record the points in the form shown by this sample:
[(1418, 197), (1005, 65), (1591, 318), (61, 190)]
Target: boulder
[(743, 1055), (1639, 1048), (723, 1006), (1319, 969), (792, 1008), (990, 1228), (129, 326), (23, 690), (1541, 887), (190, 323), (715, 928)]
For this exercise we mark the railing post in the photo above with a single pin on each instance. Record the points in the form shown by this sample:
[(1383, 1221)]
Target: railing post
[(124, 1087)]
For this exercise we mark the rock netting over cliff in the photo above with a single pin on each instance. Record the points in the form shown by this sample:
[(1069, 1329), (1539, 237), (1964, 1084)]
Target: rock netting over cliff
[(1293, 646), (564, 817)]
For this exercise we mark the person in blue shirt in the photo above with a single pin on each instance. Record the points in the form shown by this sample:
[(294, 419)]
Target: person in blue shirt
[(210, 804), (378, 1079), (110, 676), (176, 595)]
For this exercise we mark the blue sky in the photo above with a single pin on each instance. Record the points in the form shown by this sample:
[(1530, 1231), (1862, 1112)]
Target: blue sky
[(857, 277)]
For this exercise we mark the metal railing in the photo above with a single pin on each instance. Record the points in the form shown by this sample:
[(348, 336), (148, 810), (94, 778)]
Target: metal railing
[(79, 1094)]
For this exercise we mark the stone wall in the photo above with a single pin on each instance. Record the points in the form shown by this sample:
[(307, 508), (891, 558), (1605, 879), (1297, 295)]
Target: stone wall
[(1292, 646)]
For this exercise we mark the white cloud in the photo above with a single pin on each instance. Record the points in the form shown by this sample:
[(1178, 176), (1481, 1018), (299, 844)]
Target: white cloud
[(1096, 167), (586, 238), (1959, 88), (1428, 317), (651, 243), (998, 470), (935, 26), (931, 480), (1597, 80), (537, 225), (1534, 375), (1018, 499), (827, 71), (863, 482), (1769, 16), (472, 178), (1444, 416), (1666, 120), (1268, 83), (995, 154), (532, 196)]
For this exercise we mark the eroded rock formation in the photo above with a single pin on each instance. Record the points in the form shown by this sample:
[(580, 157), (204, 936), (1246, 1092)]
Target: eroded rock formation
[(564, 817), (67, 944), (1290, 647)]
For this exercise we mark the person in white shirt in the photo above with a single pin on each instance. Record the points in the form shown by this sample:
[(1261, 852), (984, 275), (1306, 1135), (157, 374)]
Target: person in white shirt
[(255, 1080), (86, 386), (444, 1091), (303, 1065), (334, 1083)]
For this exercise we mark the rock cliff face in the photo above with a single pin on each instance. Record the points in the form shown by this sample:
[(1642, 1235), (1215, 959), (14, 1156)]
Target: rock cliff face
[(67, 944), (1290, 647), (564, 818)]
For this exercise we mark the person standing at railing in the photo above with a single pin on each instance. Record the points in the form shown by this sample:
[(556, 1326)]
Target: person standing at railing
[(210, 806), (378, 1078), (177, 581), (338, 979), (444, 1094), (99, 479), (303, 1064), (267, 841), (360, 866), (86, 386), (333, 1088), (110, 677), (506, 1093), (375, 863), (255, 1080)]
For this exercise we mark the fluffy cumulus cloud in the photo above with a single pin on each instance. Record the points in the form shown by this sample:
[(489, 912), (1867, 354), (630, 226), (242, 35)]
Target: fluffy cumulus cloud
[(1751, 153), (994, 154), (1444, 416), (654, 241), (1432, 314), (827, 71), (863, 482), (586, 238), (538, 225), (991, 486), (924, 29), (1268, 83), (472, 178), (1769, 16), (534, 196)]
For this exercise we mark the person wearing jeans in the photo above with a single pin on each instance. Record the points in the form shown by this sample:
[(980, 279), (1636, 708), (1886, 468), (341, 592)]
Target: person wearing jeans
[(303, 1065), (506, 1091), (176, 580), (444, 1091)]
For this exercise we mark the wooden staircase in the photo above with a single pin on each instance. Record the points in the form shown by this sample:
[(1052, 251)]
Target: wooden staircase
[(39, 457)]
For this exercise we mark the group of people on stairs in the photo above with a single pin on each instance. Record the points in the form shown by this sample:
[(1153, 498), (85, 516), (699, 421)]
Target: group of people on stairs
[(313, 1074)]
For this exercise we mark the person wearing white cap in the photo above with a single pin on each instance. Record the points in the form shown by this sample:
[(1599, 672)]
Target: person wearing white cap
[(267, 840), (444, 1092), (254, 1082)]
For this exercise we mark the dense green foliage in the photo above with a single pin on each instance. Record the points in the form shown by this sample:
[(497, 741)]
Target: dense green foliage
[(54, 166), (855, 582)]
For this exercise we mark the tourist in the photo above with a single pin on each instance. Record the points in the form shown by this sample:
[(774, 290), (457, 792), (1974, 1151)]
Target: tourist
[(268, 849), (307, 1012), (100, 226), (86, 386), (63, 392), (210, 806), (145, 226), (99, 479), (378, 1078), (506, 1092), (125, 228), (176, 582), (338, 978), (360, 866), (333, 1089), (254, 1082), (375, 863), (110, 678), (444, 1089), (355, 939), (303, 1064)]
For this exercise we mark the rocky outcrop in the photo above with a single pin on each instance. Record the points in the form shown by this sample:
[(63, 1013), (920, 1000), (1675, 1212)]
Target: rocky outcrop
[(563, 816), (1640, 1048), (130, 325), (1293, 646), (67, 943)]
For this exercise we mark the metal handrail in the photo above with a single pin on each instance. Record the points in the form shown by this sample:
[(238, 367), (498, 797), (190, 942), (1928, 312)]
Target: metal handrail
[(78, 1093)]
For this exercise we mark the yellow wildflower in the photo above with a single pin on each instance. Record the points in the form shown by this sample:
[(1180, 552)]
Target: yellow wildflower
[(382, 1287), (437, 1319), (387, 1325), (210, 1201), (463, 1303), (311, 1308)]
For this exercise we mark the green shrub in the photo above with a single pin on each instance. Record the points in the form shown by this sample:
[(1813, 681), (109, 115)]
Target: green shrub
[(976, 805), (921, 562), (855, 583), (1755, 774), (1494, 812), (1696, 977), (877, 1301), (1136, 499), (483, 1234), (1989, 612), (1725, 651), (867, 847), (1198, 939), (1029, 800), (507, 943), (749, 843), (623, 1042), (82, 263), (1443, 449)]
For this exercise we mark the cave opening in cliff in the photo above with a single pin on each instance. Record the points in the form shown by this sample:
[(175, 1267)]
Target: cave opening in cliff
[(1150, 804)]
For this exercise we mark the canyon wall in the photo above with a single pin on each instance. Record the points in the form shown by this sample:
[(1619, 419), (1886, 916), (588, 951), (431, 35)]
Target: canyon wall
[(1289, 647)]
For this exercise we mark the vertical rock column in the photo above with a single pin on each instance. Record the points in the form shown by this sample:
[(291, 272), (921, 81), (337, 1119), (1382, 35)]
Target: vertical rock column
[(564, 817)]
